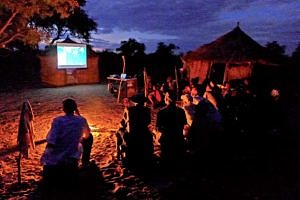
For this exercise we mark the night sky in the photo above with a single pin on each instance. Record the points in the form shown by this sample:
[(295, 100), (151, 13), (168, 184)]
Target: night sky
[(191, 23)]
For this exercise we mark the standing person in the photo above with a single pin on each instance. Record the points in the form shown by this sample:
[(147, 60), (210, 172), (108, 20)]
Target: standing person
[(139, 139), (170, 123), (169, 85), (63, 150), (156, 97)]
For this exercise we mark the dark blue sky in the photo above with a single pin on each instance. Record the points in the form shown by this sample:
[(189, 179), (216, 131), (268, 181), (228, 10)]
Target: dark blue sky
[(191, 23)]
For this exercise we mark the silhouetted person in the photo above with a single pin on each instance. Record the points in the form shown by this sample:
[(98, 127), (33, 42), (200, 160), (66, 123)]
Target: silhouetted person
[(203, 137), (139, 140), (169, 85), (68, 136), (170, 123), (207, 122)]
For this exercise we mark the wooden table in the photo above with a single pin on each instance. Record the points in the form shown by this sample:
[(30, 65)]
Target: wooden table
[(128, 86)]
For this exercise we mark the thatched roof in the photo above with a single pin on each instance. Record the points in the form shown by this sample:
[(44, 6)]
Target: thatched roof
[(234, 46)]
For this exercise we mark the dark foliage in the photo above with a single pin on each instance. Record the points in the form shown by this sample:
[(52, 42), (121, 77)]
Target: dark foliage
[(19, 67)]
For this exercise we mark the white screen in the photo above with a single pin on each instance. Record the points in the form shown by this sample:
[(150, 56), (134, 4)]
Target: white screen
[(71, 55)]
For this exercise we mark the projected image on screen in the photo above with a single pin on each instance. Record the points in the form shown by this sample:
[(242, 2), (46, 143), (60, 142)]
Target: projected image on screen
[(71, 56)]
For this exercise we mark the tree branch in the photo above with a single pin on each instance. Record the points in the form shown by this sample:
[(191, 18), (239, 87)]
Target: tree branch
[(8, 22), (11, 39)]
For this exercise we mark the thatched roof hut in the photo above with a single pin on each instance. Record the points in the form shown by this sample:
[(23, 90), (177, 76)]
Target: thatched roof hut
[(231, 56)]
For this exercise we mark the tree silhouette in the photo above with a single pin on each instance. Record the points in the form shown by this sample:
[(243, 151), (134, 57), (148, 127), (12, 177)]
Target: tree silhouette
[(131, 48), (134, 53), (163, 49), (277, 52), (77, 24), (296, 54), (295, 61), (162, 62), (16, 19)]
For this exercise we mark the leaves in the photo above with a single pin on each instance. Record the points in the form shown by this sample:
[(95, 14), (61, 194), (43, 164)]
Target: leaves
[(16, 18)]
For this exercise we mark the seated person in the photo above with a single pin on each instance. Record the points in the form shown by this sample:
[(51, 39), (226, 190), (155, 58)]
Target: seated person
[(137, 137), (189, 109), (170, 123), (169, 85), (195, 95), (155, 97), (186, 90), (68, 137), (123, 130)]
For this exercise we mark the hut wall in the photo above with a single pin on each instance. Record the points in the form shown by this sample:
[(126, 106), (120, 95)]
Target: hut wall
[(239, 72), (60, 77), (198, 69)]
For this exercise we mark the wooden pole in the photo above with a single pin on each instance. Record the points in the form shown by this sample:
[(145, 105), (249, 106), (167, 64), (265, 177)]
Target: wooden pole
[(177, 86), (121, 80), (145, 82)]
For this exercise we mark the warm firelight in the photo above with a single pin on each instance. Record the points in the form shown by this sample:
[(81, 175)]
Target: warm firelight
[(94, 130)]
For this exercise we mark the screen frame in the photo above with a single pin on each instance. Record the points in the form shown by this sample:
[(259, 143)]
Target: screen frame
[(71, 66)]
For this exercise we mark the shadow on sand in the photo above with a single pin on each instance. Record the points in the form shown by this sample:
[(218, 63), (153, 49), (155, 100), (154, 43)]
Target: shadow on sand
[(89, 185)]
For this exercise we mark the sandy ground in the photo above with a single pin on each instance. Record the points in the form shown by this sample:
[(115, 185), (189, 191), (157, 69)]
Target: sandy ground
[(277, 179)]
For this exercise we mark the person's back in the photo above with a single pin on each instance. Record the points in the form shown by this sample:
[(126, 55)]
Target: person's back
[(170, 123), (206, 125), (139, 140), (65, 134), (67, 138)]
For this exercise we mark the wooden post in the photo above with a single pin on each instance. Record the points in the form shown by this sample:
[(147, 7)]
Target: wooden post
[(120, 85), (145, 82), (177, 86)]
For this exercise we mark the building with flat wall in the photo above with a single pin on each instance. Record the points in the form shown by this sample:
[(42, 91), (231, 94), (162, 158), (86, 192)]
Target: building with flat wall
[(54, 74)]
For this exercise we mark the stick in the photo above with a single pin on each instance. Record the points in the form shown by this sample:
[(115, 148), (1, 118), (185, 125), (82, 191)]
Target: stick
[(119, 91), (120, 85), (145, 82), (177, 87)]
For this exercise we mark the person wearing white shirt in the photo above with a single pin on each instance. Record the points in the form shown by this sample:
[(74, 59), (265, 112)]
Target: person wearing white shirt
[(66, 141)]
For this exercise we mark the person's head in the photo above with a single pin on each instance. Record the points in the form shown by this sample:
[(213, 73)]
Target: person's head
[(194, 92), (186, 90), (169, 79), (186, 99), (69, 106), (126, 102), (170, 98)]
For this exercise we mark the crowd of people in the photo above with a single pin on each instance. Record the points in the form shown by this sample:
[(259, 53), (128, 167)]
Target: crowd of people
[(189, 118)]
